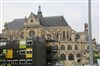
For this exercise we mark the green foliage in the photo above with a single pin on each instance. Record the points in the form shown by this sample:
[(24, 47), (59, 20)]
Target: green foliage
[(95, 56)]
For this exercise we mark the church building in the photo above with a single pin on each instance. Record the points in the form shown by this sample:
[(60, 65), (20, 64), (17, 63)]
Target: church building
[(72, 46)]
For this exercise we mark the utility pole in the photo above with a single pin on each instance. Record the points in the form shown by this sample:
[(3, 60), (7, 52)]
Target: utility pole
[(90, 33)]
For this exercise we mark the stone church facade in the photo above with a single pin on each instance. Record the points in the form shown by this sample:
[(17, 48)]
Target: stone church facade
[(73, 45)]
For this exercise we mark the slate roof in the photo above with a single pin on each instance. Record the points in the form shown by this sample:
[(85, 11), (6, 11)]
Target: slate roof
[(16, 24), (53, 21)]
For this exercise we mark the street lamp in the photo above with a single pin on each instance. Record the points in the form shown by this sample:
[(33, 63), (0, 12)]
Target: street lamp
[(90, 33)]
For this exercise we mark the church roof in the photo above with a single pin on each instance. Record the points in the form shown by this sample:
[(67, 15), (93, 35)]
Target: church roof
[(54, 21), (16, 24)]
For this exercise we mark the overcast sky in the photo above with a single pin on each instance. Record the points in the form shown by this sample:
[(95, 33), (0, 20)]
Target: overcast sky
[(75, 13), (49, 0)]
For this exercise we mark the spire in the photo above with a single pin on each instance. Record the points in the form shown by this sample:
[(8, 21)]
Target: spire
[(39, 13), (39, 9), (86, 27)]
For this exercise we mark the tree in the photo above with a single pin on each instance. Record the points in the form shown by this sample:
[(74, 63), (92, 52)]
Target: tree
[(95, 56)]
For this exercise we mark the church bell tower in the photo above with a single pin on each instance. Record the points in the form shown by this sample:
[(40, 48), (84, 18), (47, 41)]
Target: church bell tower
[(39, 13)]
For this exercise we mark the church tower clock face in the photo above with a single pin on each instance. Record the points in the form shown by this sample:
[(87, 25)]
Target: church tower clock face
[(31, 33)]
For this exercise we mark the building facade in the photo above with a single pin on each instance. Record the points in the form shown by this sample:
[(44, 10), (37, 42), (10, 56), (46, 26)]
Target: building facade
[(23, 52), (72, 46)]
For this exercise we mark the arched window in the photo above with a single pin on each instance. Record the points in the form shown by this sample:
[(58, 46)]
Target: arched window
[(77, 37), (57, 35), (63, 34), (55, 47), (31, 33), (62, 47), (63, 57), (69, 47), (67, 36), (76, 47), (78, 55), (70, 57), (22, 35), (11, 37), (87, 47)]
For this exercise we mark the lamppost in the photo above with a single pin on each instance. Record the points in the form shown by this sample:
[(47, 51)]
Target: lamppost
[(90, 33)]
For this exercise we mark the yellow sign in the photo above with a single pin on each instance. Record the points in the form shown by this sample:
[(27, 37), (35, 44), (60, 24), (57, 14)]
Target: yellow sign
[(9, 53), (29, 53)]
